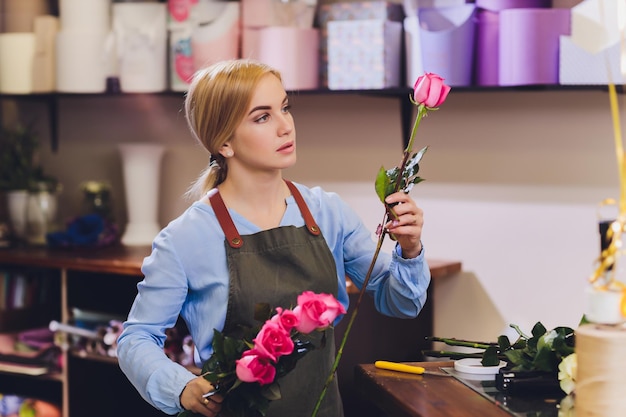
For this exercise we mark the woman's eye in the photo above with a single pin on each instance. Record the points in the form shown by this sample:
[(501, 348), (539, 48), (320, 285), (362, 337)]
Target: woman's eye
[(287, 108), (262, 118)]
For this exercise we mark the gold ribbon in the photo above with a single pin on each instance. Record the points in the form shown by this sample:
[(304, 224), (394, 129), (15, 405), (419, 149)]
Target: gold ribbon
[(609, 257)]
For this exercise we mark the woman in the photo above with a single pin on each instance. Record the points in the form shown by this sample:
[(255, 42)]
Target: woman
[(253, 237)]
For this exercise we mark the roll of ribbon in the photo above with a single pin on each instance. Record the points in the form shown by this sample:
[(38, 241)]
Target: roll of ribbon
[(82, 16), (44, 64), (19, 15), (82, 60), (17, 51), (601, 375)]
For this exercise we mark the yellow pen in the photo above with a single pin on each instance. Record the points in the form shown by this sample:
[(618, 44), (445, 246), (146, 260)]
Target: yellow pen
[(401, 367)]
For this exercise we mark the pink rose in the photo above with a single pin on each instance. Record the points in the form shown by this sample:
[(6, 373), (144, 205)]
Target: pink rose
[(316, 311), (273, 341), (253, 367), (430, 90), (285, 318)]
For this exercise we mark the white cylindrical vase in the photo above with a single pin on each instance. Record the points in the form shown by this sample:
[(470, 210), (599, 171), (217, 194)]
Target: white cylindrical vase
[(16, 207), (142, 165)]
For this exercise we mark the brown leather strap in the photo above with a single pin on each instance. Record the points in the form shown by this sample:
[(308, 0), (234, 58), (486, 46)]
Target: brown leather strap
[(221, 212), (232, 234), (311, 226)]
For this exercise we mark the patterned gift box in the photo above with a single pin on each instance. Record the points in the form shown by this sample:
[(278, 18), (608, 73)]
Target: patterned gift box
[(348, 11), (365, 10), (364, 54)]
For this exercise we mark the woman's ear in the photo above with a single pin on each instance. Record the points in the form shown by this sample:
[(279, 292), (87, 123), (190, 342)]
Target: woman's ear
[(226, 150)]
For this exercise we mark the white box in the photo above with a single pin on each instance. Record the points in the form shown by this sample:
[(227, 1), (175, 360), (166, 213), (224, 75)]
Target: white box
[(580, 67)]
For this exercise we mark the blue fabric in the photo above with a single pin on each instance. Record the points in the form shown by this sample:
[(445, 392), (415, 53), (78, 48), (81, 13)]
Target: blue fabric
[(89, 230), (187, 273)]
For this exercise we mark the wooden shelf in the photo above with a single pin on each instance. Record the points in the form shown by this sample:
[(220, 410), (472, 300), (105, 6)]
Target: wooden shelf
[(51, 100)]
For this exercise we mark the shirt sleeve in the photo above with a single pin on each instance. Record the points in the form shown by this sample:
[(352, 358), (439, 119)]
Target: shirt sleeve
[(141, 357), (179, 280)]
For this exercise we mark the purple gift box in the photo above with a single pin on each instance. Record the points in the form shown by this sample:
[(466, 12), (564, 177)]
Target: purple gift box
[(447, 42), (486, 59), (486, 54), (529, 45), (498, 5)]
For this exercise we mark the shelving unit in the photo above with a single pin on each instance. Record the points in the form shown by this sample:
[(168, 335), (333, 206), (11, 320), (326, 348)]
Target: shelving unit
[(103, 281), (51, 100)]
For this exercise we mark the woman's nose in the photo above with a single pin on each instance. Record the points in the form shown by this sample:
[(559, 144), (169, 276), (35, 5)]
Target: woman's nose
[(286, 124)]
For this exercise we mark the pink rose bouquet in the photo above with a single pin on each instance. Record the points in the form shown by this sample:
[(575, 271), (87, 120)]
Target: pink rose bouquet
[(246, 370)]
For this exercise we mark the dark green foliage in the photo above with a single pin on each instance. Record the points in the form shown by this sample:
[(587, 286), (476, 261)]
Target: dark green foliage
[(386, 180), (19, 165), (543, 351)]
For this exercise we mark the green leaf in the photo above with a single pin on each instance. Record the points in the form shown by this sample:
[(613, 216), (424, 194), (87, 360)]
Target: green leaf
[(381, 184), (272, 392), (218, 346), (545, 359), (490, 357), (504, 343), (538, 329), (520, 343), (233, 348), (518, 359)]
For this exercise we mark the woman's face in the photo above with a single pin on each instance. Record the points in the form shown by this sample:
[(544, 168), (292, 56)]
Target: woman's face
[(266, 138)]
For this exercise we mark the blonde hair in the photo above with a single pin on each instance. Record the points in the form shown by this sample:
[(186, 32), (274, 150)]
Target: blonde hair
[(216, 102)]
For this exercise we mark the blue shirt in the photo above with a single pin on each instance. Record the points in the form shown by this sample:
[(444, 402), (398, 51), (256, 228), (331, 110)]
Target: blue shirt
[(187, 274)]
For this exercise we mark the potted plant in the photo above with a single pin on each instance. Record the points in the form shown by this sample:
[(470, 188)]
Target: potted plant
[(20, 175)]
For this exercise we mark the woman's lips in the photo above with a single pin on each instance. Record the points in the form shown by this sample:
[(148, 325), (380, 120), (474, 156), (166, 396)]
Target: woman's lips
[(287, 147)]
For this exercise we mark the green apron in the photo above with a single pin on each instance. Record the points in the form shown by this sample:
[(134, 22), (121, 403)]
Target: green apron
[(274, 266)]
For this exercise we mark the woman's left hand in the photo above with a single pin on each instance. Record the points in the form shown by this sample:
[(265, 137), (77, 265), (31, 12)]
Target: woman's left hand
[(407, 225)]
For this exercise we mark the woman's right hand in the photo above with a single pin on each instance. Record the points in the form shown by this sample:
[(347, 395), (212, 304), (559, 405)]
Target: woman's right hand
[(194, 398)]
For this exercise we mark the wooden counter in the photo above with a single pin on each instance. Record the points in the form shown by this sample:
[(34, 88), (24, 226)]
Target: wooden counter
[(400, 394)]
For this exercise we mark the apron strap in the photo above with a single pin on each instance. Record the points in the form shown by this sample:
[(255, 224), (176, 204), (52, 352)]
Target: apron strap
[(232, 235), (311, 226)]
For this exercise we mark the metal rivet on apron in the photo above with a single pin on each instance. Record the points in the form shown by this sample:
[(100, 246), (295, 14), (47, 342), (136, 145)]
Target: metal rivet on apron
[(314, 229), (236, 241)]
